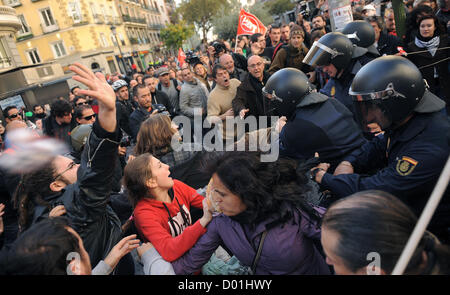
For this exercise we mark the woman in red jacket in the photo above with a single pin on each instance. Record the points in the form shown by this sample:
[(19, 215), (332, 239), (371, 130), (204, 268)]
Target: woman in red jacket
[(162, 205)]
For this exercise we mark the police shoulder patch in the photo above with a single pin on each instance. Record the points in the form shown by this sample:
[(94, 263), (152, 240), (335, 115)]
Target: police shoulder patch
[(406, 165)]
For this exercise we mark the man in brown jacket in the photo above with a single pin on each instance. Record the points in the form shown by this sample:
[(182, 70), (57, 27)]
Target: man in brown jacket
[(292, 55)]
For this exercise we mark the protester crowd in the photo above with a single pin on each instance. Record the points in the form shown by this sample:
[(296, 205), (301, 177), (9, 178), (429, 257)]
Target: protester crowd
[(363, 133)]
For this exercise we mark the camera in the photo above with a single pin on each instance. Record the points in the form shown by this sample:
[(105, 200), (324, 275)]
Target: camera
[(160, 108), (192, 58), (218, 47), (125, 141)]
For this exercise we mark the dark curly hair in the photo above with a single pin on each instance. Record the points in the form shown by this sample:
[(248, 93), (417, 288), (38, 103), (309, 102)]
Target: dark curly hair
[(59, 108), (41, 250), (264, 187), (32, 190)]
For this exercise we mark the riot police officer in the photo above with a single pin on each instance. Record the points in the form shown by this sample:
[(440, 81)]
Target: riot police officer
[(341, 59), (414, 149), (315, 123)]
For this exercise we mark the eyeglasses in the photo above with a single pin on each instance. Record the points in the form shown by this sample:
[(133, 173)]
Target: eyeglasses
[(13, 116), (255, 65), (71, 165), (87, 118)]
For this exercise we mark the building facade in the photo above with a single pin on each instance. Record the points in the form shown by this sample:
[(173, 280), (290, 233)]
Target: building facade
[(104, 35), (9, 25)]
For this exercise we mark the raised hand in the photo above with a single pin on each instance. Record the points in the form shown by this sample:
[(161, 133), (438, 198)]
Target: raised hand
[(100, 90)]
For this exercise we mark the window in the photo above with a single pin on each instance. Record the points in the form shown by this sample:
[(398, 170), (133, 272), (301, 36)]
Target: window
[(58, 49), (25, 29), (122, 40), (74, 11), (113, 40), (33, 56), (93, 10), (47, 17), (103, 40), (5, 61)]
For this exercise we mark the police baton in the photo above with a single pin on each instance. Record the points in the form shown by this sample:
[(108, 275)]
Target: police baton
[(424, 219)]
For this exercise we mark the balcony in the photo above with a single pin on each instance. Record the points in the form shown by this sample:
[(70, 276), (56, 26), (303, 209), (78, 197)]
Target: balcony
[(24, 36), (12, 3), (126, 18), (155, 26), (133, 40), (49, 29), (117, 20), (78, 20)]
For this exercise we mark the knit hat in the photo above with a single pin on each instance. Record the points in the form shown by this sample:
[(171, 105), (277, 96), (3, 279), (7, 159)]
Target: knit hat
[(296, 30)]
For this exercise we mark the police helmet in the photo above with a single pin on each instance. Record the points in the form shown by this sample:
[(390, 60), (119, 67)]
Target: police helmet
[(285, 89), (362, 34), (332, 48), (79, 136), (119, 84), (388, 99)]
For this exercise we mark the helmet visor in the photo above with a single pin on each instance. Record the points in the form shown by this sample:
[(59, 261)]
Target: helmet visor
[(372, 115), (319, 55)]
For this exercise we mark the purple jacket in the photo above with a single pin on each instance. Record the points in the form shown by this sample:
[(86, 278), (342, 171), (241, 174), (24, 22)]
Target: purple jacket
[(287, 249)]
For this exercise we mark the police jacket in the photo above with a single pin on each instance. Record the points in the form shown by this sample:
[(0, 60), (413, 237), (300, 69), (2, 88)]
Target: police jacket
[(323, 125), (86, 201), (410, 160)]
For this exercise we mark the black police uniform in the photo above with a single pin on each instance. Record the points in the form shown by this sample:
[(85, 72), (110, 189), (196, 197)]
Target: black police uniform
[(411, 159), (323, 125)]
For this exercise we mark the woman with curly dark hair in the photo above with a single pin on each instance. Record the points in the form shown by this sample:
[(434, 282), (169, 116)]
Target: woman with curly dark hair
[(265, 221)]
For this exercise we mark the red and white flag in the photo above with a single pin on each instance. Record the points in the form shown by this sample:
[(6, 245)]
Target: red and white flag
[(249, 24), (181, 57)]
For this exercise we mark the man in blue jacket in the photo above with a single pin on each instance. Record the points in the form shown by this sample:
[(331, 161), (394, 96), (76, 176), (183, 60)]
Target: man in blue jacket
[(413, 151)]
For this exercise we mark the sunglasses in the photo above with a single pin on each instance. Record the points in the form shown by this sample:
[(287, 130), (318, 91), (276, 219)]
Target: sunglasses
[(13, 116), (87, 118), (81, 103)]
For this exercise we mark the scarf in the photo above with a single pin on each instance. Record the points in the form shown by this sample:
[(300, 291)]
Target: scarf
[(431, 45)]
